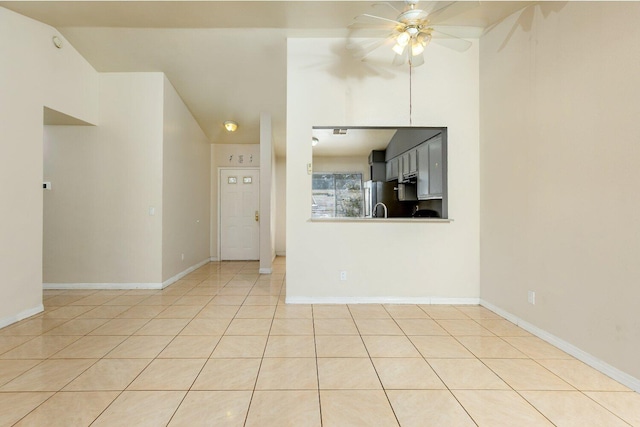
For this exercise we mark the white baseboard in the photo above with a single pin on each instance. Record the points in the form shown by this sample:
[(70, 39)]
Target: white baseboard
[(104, 286), (6, 321), (265, 271), (382, 300), (214, 259), (281, 253), (125, 285), (615, 373), (184, 273)]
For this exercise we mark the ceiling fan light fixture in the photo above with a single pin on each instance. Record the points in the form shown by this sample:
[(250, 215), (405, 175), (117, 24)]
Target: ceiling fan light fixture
[(399, 49), (416, 48), (230, 126), (403, 38)]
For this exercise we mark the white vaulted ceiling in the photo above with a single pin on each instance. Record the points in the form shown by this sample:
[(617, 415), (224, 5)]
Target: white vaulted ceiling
[(226, 59)]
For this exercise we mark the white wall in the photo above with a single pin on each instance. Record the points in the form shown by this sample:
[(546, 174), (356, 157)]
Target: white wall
[(185, 188), (409, 261), (33, 74), (267, 201), (227, 156), (559, 182), (281, 206), (97, 227), (342, 164)]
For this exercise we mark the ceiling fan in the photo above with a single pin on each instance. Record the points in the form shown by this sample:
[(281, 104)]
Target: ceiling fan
[(408, 33)]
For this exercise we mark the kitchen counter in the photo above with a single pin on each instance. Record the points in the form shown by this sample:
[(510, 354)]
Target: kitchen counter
[(395, 220)]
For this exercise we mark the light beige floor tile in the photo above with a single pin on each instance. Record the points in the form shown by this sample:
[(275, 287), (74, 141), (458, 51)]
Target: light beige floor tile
[(108, 374), (290, 346), (163, 327), (96, 299), (228, 374), (526, 374), (503, 328), (35, 326), (407, 374), (105, 312), (478, 312), (346, 408), (428, 408), (297, 311), (120, 327), (491, 347), (69, 409), (14, 406), (625, 405), (190, 347), (235, 291), (470, 374), (168, 374), (335, 327), (194, 300), (10, 369), (494, 408), (256, 312), (440, 347), (50, 375), (141, 409), (261, 300), (240, 346), (368, 311), (142, 312), (89, 347), (571, 409), (213, 327), (140, 347), (378, 327), (284, 408), (292, 327), (165, 300), (347, 373), (330, 311), (421, 327), (535, 348), (340, 346), (179, 312), (218, 312), (77, 327), (10, 342), (404, 311), (67, 312), (227, 300), (40, 347), (249, 327), (390, 346), (288, 374), (126, 300), (212, 408), (461, 327), (443, 312), (582, 376)]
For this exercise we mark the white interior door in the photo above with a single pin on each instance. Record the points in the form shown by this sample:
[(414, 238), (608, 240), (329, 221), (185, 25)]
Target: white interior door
[(239, 214)]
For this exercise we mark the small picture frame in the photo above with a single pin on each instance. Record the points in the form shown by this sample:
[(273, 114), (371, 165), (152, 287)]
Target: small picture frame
[(232, 180), (247, 180)]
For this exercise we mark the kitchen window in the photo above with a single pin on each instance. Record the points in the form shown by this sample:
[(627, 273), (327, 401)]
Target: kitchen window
[(336, 195)]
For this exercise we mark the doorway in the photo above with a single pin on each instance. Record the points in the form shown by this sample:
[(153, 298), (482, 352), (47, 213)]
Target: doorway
[(239, 214)]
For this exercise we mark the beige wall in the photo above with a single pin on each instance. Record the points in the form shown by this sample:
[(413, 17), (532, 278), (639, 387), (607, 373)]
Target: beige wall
[(227, 156), (384, 261), (559, 182), (185, 188), (33, 74), (97, 226)]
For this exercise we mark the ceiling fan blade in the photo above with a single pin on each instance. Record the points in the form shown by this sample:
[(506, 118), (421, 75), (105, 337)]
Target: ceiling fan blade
[(370, 26), (400, 59), (361, 51), (448, 11), (452, 42), (365, 17), (386, 4)]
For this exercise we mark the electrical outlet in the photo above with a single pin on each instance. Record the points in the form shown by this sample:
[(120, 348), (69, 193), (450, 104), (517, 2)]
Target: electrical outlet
[(343, 275), (531, 297)]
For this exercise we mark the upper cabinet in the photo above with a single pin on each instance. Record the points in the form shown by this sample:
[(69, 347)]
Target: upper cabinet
[(392, 169), (430, 170)]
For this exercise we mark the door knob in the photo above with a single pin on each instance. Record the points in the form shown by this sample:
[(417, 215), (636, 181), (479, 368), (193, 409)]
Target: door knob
[(257, 216)]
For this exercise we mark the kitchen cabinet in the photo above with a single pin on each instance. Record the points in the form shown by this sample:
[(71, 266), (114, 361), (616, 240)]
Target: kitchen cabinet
[(392, 169), (430, 170)]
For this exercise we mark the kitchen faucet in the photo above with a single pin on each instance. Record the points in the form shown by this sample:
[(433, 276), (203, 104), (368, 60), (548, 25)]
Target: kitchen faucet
[(375, 209)]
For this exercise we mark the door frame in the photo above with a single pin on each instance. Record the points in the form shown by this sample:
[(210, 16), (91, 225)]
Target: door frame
[(220, 169)]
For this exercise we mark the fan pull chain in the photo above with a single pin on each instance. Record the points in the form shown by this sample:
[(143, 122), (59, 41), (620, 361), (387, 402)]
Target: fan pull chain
[(410, 94)]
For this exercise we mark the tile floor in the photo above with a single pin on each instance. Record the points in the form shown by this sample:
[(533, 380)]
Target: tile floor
[(220, 348)]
